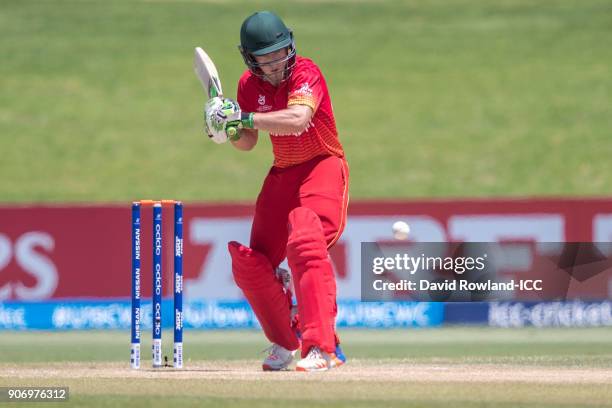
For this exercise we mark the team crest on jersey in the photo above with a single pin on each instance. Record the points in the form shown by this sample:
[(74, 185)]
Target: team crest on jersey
[(262, 104), (304, 89)]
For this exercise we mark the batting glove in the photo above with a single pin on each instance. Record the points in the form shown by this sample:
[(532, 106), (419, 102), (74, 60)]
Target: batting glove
[(214, 123)]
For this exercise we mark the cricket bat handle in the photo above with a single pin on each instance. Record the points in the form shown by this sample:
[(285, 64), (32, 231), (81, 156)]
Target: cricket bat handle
[(231, 132)]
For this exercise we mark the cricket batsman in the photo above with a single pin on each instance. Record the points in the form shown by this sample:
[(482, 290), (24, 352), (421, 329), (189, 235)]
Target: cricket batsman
[(301, 209)]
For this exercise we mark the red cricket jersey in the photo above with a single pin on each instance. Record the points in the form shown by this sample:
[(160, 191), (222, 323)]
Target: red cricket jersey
[(306, 86)]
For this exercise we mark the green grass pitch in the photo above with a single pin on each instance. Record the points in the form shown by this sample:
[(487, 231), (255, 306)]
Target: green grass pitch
[(459, 367), (433, 98)]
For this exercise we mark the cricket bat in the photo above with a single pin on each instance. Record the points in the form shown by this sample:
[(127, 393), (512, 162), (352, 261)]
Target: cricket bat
[(209, 77)]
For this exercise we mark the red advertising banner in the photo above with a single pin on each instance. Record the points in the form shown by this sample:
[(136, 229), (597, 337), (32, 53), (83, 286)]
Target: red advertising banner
[(83, 251)]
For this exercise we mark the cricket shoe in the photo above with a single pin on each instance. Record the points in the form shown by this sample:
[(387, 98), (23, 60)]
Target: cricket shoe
[(317, 360), (278, 358)]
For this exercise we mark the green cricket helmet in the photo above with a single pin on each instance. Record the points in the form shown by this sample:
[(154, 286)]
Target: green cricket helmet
[(262, 33)]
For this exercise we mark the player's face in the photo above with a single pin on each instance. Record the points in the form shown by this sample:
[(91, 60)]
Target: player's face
[(273, 65)]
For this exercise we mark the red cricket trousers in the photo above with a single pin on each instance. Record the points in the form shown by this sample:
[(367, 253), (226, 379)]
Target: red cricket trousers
[(300, 213)]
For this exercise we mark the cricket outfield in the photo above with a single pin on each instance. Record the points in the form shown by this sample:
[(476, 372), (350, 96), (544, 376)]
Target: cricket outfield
[(459, 367), (433, 98)]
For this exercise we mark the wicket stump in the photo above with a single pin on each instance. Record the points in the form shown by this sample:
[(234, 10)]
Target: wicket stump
[(157, 282)]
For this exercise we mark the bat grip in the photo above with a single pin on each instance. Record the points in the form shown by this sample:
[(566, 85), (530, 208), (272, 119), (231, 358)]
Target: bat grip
[(232, 132)]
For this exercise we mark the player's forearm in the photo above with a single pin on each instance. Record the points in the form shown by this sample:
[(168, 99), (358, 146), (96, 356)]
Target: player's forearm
[(247, 140), (283, 122)]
